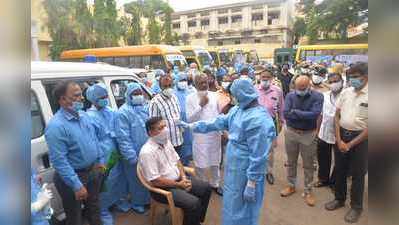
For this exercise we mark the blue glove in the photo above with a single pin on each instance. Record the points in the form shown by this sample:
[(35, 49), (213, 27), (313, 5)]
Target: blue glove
[(183, 124), (249, 194)]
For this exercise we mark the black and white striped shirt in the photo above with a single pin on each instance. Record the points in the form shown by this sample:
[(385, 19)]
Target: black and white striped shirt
[(169, 110)]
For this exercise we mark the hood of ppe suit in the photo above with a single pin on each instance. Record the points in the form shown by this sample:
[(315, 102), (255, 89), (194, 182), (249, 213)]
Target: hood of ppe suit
[(95, 92), (244, 91), (181, 76), (129, 90)]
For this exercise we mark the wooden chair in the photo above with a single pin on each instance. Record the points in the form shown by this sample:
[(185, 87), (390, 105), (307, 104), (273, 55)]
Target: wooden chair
[(175, 212)]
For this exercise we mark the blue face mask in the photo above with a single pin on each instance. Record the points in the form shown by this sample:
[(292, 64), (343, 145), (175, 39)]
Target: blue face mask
[(356, 82), (77, 106), (301, 93), (103, 102), (137, 99)]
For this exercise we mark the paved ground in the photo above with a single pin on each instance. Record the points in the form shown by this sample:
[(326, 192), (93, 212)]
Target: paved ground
[(276, 210)]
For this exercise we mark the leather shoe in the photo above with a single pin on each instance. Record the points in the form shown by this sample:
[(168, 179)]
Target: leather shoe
[(270, 178), (309, 199), (353, 215), (287, 191), (333, 205)]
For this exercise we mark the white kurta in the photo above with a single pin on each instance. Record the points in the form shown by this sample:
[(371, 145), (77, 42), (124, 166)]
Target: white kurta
[(206, 147)]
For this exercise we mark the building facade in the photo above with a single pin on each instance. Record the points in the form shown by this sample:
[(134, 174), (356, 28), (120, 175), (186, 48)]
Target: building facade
[(40, 37), (262, 25)]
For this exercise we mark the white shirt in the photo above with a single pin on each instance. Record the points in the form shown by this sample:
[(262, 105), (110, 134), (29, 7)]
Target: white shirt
[(159, 161), (206, 147), (354, 109), (327, 128)]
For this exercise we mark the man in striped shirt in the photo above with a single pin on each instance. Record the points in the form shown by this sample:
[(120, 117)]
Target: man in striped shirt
[(166, 105)]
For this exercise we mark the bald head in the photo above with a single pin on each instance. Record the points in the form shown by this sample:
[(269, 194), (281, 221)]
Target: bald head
[(302, 82), (201, 82)]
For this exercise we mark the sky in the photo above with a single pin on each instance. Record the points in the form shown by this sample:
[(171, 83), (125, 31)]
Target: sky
[(181, 5)]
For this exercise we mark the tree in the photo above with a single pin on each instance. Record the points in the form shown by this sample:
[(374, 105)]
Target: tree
[(84, 25), (167, 25), (106, 26), (133, 24), (299, 29)]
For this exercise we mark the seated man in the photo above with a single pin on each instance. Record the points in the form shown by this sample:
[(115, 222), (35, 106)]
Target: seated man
[(161, 166)]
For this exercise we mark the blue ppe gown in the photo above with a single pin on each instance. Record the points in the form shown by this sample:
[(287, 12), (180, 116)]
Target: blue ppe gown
[(131, 135), (186, 151), (40, 217), (251, 132)]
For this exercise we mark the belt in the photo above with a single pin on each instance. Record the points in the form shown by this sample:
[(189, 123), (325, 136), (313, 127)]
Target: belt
[(349, 133), (299, 131), (83, 170)]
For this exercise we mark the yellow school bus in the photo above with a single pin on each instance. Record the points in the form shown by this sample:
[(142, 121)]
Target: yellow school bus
[(221, 55), (344, 53), (140, 56), (196, 54)]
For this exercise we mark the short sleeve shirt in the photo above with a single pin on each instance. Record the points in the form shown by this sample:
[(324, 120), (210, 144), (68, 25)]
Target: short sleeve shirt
[(159, 161), (354, 109)]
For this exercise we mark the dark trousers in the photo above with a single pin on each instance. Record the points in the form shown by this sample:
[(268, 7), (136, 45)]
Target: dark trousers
[(352, 163), (72, 207), (194, 202), (324, 158)]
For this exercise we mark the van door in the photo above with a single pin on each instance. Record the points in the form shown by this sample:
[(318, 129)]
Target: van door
[(40, 116), (117, 87)]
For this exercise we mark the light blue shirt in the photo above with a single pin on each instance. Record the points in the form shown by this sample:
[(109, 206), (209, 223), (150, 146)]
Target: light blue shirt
[(73, 144)]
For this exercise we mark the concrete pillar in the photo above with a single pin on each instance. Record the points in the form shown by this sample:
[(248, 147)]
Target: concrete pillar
[(34, 41)]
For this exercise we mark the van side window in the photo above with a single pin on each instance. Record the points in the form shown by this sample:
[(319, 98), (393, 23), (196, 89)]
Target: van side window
[(84, 84), (119, 89), (36, 117)]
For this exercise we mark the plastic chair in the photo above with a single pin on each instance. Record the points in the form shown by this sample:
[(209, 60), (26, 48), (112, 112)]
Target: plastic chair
[(175, 212)]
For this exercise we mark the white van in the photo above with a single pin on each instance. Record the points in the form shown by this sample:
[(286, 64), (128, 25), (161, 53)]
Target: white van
[(44, 77)]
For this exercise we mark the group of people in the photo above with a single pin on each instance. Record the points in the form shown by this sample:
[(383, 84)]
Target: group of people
[(197, 118)]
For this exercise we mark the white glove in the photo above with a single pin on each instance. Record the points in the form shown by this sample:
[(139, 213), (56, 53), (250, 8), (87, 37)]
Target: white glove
[(43, 199)]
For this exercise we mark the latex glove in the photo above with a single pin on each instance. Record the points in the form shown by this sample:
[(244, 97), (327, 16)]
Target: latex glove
[(249, 192), (43, 199)]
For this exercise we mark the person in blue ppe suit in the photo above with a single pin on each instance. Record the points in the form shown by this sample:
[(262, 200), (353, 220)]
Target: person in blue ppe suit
[(181, 92), (220, 73), (251, 132), (40, 201), (237, 67), (155, 86), (131, 136), (175, 74), (104, 118)]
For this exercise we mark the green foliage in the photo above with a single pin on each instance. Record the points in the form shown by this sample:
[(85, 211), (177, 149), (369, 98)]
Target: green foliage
[(107, 28), (299, 29), (331, 17), (133, 25)]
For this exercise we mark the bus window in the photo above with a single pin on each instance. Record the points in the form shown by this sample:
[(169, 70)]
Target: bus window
[(135, 62), (224, 57), (286, 58), (122, 61), (157, 62), (108, 60)]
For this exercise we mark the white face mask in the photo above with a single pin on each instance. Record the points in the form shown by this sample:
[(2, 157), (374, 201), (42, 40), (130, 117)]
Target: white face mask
[(225, 85), (265, 84), (162, 138), (317, 79), (168, 92), (202, 93), (182, 85), (335, 87)]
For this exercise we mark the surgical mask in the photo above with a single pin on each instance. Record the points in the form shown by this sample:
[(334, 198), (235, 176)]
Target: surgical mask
[(103, 102), (317, 79), (356, 82), (202, 93), (168, 92), (137, 99), (225, 85), (77, 106), (182, 85), (162, 138), (337, 86), (244, 77), (302, 93), (265, 84)]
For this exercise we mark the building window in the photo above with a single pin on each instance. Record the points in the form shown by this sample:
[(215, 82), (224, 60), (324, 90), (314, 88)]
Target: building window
[(204, 22), (222, 11), (192, 23), (176, 25), (234, 10), (257, 41), (175, 17), (223, 20), (273, 17), (257, 7), (236, 19), (191, 15), (257, 16), (220, 43), (205, 13), (237, 42)]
